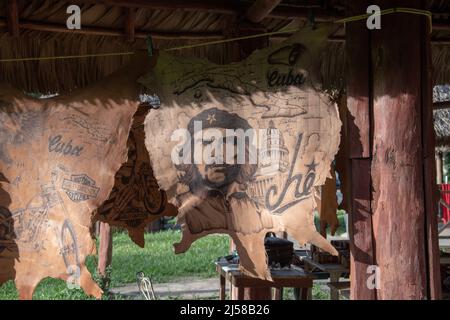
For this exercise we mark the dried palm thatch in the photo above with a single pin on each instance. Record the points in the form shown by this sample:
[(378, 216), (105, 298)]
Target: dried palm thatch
[(442, 129), (62, 75), (441, 64), (51, 76)]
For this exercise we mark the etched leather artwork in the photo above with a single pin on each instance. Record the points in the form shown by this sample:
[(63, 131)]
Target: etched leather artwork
[(58, 159), (292, 130), (136, 199)]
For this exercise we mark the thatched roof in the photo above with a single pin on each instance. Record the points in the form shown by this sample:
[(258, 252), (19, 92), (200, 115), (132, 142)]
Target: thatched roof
[(442, 128), (442, 117), (171, 23)]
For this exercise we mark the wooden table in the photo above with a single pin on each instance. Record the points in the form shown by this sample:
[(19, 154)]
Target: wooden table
[(292, 278), (335, 270)]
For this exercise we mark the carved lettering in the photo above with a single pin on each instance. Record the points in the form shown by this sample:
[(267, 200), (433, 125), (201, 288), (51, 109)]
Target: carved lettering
[(278, 79), (56, 145)]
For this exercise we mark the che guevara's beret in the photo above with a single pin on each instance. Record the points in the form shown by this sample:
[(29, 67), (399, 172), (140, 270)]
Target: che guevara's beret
[(216, 118)]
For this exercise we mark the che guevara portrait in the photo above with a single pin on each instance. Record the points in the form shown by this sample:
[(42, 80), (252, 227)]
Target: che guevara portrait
[(267, 134)]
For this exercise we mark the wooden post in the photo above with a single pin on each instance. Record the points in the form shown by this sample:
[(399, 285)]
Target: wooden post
[(432, 253), (257, 293), (105, 248), (402, 200), (12, 17), (260, 9), (129, 24), (359, 148), (391, 129)]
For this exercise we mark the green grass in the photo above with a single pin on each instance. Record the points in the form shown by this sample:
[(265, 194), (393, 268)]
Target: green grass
[(157, 260), (317, 293), (340, 215)]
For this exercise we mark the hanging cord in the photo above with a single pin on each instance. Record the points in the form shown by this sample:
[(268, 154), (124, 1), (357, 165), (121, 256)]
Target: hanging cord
[(149, 48), (231, 40), (150, 44), (389, 11), (68, 57)]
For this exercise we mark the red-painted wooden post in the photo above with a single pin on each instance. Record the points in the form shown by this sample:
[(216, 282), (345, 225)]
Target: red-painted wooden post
[(359, 148), (390, 126)]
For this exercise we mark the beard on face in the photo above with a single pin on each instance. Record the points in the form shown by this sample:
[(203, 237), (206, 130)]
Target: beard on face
[(218, 175)]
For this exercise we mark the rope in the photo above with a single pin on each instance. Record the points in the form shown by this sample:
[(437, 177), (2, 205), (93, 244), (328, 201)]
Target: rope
[(149, 44), (68, 57), (231, 40), (149, 47), (389, 11)]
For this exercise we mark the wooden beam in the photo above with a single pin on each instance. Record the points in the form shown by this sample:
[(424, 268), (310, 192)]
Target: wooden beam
[(130, 14), (219, 6), (12, 17), (260, 10), (443, 26), (430, 197), (295, 12), (441, 105), (51, 27), (227, 7), (236, 7), (440, 41), (359, 154)]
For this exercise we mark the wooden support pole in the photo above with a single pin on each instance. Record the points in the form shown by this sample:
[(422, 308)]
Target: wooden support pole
[(390, 118), (441, 105), (12, 18), (260, 10), (402, 200), (431, 196), (105, 249), (130, 15), (359, 153)]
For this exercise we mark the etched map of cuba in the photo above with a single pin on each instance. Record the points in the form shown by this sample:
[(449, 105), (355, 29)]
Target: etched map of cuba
[(239, 148)]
